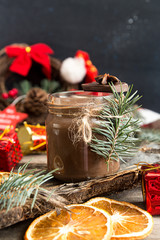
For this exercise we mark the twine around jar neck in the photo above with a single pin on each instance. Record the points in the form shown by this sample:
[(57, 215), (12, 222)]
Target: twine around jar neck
[(81, 126)]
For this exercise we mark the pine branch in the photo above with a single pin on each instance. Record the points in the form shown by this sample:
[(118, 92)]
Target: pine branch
[(21, 186), (114, 136)]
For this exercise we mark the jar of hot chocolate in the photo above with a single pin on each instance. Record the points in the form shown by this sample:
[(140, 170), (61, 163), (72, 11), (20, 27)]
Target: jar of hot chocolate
[(72, 115)]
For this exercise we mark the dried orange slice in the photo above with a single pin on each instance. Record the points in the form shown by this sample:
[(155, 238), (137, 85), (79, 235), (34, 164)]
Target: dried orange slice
[(81, 223), (129, 221), (4, 176)]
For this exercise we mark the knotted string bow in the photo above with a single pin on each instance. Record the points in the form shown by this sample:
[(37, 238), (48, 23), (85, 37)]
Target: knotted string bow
[(24, 56)]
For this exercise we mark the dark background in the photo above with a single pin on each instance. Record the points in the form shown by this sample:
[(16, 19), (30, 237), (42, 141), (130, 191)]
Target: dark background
[(121, 36)]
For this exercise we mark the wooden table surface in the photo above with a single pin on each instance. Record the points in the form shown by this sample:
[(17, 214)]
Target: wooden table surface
[(17, 231)]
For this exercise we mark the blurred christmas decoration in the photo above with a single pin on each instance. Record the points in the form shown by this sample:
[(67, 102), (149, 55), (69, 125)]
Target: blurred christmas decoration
[(91, 70), (10, 117), (32, 138), (13, 93), (29, 73), (149, 118), (3, 103), (35, 101), (34, 104), (149, 135), (73, 70), (78, 69), (10, 150), (150, 126), (10, 95), (151, 187), (21, 61), (24, 56)]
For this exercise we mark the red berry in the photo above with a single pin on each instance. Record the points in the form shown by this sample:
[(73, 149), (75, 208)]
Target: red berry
[(13, 92), (5, 95)]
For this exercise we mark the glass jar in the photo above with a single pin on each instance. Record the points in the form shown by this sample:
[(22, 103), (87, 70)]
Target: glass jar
[(66, 149)]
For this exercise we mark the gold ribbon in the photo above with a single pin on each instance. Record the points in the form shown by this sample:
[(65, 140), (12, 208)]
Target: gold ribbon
[(149, 167), (38, 146), (145, 164), (37, 126), (29, 142), (6, 130)]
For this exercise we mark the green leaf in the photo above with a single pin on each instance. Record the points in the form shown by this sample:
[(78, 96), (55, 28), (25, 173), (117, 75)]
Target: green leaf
[(25, 86), (45, 84), (50, 86)]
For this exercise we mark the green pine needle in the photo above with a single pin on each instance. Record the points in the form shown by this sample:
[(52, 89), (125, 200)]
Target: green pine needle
[(114, 135), (19, 187)]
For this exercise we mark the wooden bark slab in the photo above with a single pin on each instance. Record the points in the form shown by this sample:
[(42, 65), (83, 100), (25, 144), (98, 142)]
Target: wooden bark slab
[(69, 193), (80, 192)]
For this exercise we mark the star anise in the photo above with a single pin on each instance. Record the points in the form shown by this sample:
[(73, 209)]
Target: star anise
[(106, 79)]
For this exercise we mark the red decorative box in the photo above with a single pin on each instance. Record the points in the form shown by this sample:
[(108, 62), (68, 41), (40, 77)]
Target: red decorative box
[(151, 188), (10, 150)]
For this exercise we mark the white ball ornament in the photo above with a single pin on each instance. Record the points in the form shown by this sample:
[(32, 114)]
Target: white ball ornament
[(73, 70)]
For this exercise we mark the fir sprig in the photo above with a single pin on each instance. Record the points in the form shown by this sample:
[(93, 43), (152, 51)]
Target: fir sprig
[(114, 137), (21, 186)]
